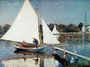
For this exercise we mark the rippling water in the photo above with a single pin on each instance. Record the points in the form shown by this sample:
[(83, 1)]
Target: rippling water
[(7, 52)]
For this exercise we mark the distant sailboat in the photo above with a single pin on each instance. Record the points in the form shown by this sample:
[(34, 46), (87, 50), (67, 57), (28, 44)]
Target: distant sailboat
[(25, 28), (55, 32), (83, 29)]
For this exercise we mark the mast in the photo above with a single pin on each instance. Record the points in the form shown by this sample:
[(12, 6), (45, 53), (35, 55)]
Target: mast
[(40, 34), (85, 24), (39, 29), (85, 21)]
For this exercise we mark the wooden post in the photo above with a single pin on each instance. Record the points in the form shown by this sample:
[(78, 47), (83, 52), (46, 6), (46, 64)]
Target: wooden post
[(75, 57), (75, 53), (64, 54)]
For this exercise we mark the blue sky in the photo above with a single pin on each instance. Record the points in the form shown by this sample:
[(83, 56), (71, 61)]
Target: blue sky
[(53, 11)]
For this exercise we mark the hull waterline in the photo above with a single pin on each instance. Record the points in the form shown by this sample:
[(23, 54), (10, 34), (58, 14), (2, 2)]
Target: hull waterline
[(39, 49)]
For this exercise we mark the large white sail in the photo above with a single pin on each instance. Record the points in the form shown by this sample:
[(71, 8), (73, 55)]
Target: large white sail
[(25, 27), (48, 37), (55, 30)]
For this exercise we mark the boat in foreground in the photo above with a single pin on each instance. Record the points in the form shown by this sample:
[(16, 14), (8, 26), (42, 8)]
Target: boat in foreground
[(31, 49), (26, 27)]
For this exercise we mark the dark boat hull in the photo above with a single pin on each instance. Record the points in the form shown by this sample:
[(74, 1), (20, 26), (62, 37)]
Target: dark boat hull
[(39, 49)]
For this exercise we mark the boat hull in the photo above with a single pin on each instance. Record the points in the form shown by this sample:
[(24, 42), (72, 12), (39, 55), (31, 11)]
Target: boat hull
[(39, 49)]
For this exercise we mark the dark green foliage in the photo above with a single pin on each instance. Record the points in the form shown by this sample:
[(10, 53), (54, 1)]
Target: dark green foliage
[(72, 28), (80, 26), (0, 29), (60, 28), (3, 29), (51, 26), (65, 28), (6, 27)]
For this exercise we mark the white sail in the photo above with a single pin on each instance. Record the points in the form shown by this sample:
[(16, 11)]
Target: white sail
[(48, 37), (25, 27), (55, 30), (83, 29)]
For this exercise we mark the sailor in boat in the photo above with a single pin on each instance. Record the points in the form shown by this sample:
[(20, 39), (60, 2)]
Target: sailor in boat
[(24, 43), (35, 41)]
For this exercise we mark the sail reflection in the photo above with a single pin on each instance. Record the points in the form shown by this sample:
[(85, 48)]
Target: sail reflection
[(30, 60)]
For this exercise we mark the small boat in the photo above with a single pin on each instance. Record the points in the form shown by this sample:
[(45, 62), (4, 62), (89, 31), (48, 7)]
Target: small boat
[(26, 27), (31, 49)]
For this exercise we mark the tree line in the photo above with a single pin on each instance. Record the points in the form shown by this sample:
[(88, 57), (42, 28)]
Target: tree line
[(4, 28), (67, 28), (60, 27)]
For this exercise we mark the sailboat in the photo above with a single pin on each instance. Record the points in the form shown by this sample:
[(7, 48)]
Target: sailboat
[(55, 32), (26, 27)]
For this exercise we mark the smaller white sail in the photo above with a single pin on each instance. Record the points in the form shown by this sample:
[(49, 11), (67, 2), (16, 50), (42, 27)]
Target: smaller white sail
[(83, 29), (55, 30), (48, 37)]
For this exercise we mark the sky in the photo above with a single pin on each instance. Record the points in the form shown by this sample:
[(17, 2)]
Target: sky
[(53, 11)]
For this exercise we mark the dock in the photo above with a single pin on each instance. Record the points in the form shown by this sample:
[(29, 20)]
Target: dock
[(72, 53)]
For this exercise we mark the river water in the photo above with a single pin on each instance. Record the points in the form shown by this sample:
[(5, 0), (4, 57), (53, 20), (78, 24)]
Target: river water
[(9, 57)]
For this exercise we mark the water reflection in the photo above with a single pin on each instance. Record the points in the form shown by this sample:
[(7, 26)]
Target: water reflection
[(61, 60), (38, 60), (27, 59)]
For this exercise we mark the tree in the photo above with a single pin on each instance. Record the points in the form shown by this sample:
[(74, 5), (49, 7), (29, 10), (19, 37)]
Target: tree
[(72, 28), (0, 29), (51, 26), (80, 26), (6, 27), (62, 28)]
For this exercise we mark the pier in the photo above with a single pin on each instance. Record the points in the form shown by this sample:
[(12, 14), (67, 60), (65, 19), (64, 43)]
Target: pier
[(72, 35), (72, 53)]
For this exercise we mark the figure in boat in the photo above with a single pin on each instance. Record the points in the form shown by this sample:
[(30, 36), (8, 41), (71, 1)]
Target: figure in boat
[(35, 41), (24, 43), (34, 45)]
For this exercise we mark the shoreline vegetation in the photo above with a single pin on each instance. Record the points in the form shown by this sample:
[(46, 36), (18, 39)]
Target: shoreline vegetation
[(60, 28), (70, 31)]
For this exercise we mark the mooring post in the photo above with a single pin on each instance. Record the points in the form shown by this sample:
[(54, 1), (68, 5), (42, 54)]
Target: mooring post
[(64, 54), (54, 52), (75, 53), (76, 60)]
